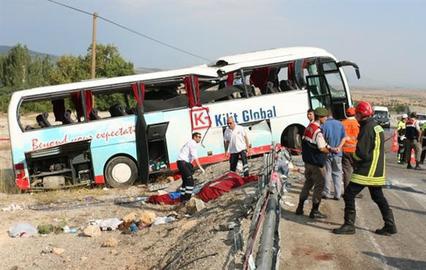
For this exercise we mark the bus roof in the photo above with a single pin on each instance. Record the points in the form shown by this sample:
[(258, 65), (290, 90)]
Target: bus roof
[(266, 57), (202, 71)]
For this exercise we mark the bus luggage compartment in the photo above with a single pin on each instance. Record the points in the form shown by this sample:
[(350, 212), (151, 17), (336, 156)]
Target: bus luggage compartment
[(60, 166)]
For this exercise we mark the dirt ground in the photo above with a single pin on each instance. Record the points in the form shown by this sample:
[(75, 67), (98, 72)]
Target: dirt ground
[(191, 242)]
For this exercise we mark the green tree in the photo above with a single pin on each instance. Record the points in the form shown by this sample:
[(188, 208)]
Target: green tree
[(68, 69), (109, 62), (15, 67)]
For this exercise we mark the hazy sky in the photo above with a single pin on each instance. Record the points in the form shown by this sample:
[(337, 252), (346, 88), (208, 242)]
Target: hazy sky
[(387, 38)]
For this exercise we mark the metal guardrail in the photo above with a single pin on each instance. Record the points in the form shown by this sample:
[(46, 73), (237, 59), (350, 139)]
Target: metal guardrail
[(266, 215)]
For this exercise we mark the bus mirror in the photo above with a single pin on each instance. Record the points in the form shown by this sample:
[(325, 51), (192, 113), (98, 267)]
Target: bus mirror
[(348, 63)]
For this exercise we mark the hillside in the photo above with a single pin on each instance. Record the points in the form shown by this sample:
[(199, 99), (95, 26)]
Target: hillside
[(5, 49)]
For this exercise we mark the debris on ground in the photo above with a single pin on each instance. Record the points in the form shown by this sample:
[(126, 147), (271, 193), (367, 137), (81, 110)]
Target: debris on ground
[(22, 230), (110, 242), (92, 231)]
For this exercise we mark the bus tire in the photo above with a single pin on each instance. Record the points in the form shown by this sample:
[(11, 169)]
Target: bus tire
[(121, 171), (294, 139)]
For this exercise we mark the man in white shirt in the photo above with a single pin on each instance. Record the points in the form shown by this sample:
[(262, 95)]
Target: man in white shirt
[(236, 144), (187, 154)]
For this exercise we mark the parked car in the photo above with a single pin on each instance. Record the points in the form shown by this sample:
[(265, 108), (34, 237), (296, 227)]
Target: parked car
[(382, 116), (421, 117)]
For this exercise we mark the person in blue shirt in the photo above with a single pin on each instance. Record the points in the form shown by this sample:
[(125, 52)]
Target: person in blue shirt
[(334, 134)]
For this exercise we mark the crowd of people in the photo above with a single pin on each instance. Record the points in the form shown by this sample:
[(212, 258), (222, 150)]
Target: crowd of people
[(351, 150), (411, 137), (341, 158)]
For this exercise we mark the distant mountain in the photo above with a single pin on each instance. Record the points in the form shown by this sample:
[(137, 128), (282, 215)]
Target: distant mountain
[(5, 49)]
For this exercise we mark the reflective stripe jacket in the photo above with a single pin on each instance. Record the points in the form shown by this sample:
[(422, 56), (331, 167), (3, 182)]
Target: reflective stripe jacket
[(369, 168)]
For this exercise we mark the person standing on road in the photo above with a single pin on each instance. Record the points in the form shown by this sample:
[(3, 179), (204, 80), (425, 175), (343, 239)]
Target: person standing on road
[(369, 171), (400, 129), (187, 154), (314, 154), (236, 145), (414, 136), (422, 156), (351, 126), (335, 136)]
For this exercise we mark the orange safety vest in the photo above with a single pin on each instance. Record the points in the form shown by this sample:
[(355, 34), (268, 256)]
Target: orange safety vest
[(351, 126)]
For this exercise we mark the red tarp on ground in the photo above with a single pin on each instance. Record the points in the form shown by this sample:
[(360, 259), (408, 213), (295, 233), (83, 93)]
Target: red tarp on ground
[(211, 190), (222, 185)]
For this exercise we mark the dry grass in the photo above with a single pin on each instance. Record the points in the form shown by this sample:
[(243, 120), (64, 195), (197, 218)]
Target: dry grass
[(7, 183), (45, 197)]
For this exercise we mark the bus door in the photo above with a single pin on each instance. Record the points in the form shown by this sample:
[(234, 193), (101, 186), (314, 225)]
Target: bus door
[(328, 89)]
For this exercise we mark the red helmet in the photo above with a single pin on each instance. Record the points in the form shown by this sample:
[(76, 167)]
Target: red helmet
[(350, 111), (364, 109)]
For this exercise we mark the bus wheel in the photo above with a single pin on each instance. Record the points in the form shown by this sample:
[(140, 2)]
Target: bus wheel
[(294, 139), (120, 171)]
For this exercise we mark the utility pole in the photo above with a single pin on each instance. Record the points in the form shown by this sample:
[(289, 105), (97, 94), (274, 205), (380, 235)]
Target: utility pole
[(94, 46)]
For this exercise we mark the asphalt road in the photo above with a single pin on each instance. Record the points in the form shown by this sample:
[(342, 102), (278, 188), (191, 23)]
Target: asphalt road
[(308, 244)]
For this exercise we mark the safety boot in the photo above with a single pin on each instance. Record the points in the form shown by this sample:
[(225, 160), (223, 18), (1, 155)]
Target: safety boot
[(315, 213), (349, 226), (390, 227), (299, 210)]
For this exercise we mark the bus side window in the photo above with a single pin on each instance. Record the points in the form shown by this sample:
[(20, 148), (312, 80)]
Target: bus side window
[(42, 120)]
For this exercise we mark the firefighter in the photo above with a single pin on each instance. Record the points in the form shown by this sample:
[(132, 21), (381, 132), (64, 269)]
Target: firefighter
[(423, 155), (314, 150), (400, 129), (369, 171)]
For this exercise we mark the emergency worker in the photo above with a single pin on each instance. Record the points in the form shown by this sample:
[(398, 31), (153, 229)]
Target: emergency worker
[(400, 129), (314, 154), (422, 156), (237, 145), (187, 154), (351, 126), (369, 171), (413, 135)]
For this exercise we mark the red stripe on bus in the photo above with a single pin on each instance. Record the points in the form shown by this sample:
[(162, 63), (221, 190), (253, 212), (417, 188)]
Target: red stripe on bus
[(99, 179), (5, 139)]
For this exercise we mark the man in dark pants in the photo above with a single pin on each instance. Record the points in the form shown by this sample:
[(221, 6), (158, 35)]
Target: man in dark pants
[(314, 150), (368, 172), (237, 145), (187, 154)]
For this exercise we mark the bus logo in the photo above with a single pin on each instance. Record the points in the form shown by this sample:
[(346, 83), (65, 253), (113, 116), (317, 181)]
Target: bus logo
[(200, 118)]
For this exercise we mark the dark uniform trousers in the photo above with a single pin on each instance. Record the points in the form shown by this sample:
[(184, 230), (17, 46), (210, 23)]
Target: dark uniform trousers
[(314, 177), (347, 167), (376, 193), (186, 169), (233, 161)]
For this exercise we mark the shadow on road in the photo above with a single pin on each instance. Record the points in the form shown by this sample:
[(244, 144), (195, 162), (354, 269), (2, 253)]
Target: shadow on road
[(408, 189), (409, 210), (399, 263), (316, 223)]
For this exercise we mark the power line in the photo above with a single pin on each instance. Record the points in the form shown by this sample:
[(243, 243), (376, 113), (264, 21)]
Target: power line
[(131, 30)]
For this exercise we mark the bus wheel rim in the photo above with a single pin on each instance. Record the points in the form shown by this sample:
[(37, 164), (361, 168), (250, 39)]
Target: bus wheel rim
[(121, 173)]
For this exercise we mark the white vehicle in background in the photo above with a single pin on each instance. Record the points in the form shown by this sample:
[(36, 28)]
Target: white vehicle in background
[(382, 116), (421, 117)]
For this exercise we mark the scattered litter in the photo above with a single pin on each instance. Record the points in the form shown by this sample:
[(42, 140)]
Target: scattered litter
[(147, 217), (194, 205), (54, 250), (133, 228), (109, 224), (105, 188), (130, 217), (22, 230), (289, 204), (164, 220), (13, 207), (157, 186), (132, 199), (67, 229)]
